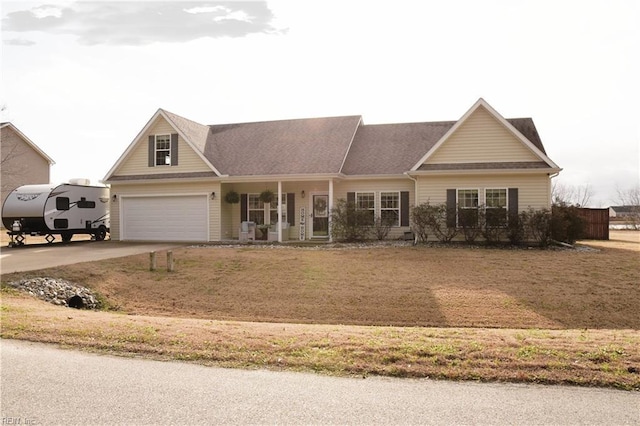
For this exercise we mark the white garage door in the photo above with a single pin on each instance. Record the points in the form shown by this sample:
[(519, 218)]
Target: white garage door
[(171, 218)]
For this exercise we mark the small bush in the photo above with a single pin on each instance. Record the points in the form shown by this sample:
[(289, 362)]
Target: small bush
[(537, 225), (381, 228), (426, 218), (469, 221), (516, 232), (348, 223), (566, 223), (493, 224), (420, 220)]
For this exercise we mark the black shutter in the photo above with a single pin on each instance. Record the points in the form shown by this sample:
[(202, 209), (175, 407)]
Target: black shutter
[(404, 208), (513, 202), (174, 149), (351, 197), (152, 151), (291, 208), (451, 208), (243, 207)]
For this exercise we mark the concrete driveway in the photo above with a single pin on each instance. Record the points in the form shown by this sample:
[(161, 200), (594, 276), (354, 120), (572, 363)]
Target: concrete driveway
[(39, 256)]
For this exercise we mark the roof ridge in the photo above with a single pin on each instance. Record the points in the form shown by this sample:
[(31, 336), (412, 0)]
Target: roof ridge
[(285, 120)]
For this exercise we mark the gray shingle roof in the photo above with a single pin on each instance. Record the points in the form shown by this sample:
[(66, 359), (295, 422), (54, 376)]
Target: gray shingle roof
[(320, 145), (304, 146), (392, 148)]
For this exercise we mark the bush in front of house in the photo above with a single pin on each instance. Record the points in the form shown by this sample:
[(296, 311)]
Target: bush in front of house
[(348, 223), (566, 223), (381, 228), (537, 225), (426, 218)]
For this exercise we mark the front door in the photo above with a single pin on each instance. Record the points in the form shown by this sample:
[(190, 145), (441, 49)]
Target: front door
[(320, 222)]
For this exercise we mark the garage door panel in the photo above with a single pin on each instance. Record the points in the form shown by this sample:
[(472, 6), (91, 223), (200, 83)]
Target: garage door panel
[(170, 218)]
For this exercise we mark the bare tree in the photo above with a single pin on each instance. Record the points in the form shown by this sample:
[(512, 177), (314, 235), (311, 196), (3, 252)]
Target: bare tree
[(579, 196), (630, 199)]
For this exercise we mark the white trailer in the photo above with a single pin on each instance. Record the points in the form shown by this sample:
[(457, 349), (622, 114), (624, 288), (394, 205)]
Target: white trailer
[(64, 210)]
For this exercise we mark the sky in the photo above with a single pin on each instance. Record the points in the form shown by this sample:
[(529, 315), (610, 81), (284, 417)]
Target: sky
[(81, 79)]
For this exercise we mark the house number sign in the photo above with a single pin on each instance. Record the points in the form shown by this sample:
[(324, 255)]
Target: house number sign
[(303, 223)]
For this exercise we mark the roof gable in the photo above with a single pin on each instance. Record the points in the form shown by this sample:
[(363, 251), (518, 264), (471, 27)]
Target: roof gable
[(192, 133), (29, 142), (513, 131)]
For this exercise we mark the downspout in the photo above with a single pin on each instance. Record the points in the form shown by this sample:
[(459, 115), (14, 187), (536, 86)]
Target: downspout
[(415, 186), (551, 176), (279, 225)]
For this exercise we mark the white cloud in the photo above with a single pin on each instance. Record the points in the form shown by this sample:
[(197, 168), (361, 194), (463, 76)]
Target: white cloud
[(140, 23)]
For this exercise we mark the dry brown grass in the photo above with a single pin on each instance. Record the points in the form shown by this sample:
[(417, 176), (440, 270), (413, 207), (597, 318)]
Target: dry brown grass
[(553, 316)]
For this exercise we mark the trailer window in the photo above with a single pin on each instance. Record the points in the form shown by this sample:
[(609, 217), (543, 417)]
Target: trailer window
[(84, 204), (62, 203), (60, 223)]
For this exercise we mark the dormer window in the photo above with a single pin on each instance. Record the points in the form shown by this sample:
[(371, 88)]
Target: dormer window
[(163, 150)]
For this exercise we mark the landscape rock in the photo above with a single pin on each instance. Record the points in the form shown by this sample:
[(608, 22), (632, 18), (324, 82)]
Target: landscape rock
[(59, 292)]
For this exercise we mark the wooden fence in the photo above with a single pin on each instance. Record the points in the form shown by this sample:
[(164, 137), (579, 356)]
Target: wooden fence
[(597, 223)]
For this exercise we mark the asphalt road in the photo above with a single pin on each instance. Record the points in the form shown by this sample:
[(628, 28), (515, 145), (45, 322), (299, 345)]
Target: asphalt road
[(45, 385), (37, 256)]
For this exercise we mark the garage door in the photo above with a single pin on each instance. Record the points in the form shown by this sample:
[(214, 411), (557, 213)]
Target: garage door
[(174, 218)]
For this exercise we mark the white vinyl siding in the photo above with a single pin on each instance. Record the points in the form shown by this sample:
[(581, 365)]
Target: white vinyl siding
[(482, 138), (378, 186), (533, 190), (137, 162)]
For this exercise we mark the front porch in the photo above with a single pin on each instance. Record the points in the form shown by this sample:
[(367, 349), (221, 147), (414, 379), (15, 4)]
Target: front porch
[(276, 211)]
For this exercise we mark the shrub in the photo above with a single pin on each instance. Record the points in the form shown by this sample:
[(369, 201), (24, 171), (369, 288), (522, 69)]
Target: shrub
[(537, 225), (381, 227), (426, 218), (348, 223), (469, 221), (493, 224), (420, 220), (566, 223), (516, 232)]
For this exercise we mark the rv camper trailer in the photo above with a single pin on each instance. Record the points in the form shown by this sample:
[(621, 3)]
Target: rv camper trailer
[(65, 210)]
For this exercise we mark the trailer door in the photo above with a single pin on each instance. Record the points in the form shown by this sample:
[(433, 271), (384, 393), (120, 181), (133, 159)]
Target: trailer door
[(165, 218)]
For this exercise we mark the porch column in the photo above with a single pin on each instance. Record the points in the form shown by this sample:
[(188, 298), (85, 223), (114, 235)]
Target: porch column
[(279, 225), (330, 207)]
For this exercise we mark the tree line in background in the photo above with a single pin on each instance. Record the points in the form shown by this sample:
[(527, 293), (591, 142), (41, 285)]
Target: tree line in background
[(581, 196)]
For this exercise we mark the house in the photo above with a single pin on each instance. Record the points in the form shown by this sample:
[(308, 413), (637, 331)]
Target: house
[(171, 182), (623, 212), (23, 163)]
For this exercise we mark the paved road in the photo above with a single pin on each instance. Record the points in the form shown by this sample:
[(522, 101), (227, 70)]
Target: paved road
[(38, 256), (45, 385)]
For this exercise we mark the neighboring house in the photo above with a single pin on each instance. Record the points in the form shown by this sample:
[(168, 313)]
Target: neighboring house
[(23, 163), (170, 183), (623, 212)]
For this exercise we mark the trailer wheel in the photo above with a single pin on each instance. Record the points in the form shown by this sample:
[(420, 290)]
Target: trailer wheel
[(101, 234), (66, 236)]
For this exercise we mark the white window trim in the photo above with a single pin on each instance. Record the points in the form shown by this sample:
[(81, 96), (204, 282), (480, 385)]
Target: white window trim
[(506, 206), (273, 207), (466, 208), (155, 150), (506, 191), (399, 209), (264, 208)]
